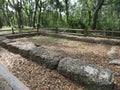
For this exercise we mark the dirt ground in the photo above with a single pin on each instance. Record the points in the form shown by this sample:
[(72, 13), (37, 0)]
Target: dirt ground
[(35, 76), (92, 52)]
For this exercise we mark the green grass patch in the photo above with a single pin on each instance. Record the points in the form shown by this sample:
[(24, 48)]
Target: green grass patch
[(51, 39)]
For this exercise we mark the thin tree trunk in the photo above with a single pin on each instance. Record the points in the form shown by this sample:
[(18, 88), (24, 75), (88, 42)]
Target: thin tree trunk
[(60, 16), (19, 10), (67, 10), (20, 20), (95, 16), (36, 7), (1, 24), (39, 18)]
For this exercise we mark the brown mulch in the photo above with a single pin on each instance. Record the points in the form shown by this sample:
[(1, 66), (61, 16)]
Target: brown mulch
[(92, 52), (35, 76)]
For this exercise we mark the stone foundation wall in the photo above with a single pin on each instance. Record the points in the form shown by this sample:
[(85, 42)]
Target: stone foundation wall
[(71, 37), (93, 76)]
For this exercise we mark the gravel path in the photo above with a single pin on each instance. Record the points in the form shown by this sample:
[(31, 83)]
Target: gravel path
[(35, 76)]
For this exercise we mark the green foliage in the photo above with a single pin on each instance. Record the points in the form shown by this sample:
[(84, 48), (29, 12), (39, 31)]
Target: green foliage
[(61, 13)]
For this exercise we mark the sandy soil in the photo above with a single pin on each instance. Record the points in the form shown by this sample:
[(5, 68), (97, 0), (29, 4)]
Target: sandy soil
[(35, 76), (92, 52)]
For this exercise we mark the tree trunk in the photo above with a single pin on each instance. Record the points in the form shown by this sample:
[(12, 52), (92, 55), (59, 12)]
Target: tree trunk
[(19, 10), (67, 10), (1, 24), (39, 18), (95, 16), (36, 7), (20, 20)]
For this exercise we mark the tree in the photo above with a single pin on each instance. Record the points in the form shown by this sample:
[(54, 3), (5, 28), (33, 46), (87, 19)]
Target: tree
[(95, 16), (36, 7), (29, 9), (40, 12), (19, 10), (67, 10), (17, 6), (1, 24), (85, 14)]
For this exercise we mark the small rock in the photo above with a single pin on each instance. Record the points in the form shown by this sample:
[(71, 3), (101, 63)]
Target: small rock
[(112, 53), (115, 62)]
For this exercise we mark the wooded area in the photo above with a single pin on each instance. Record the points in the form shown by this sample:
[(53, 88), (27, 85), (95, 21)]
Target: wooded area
[(81, 14), (60, 44)]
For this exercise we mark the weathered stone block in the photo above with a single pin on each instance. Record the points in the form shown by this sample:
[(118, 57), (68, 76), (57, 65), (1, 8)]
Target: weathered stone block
[(7, 44), (23, 48), (45, 57), (3, 43), (95, 77)]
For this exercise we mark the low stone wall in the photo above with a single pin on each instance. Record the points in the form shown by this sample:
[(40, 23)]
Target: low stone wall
[(95, 77), (42, 56), (22, 35), (46, 58), (86, 39), (71, 37), (22, 48)]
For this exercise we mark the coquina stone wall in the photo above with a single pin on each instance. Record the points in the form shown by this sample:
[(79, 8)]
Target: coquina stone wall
[(93, 76)]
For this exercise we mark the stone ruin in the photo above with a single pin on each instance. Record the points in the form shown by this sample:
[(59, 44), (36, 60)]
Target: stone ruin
[(93, 76)]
